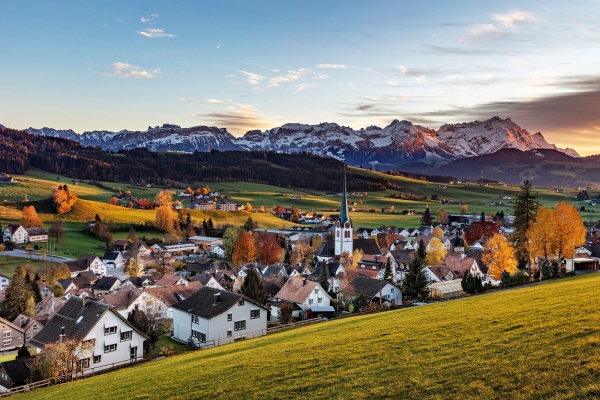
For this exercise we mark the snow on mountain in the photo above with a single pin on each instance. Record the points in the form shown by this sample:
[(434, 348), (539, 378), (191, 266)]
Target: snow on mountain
[(398, 143)]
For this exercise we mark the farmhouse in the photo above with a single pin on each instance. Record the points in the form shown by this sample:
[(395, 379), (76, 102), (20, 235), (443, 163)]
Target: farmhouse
[(18, 234), (308, 296), (115, 339), (86, 263), (211, 317), (377, 291)]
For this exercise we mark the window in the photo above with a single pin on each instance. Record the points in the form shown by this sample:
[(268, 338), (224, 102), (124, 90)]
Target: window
[(229, 333), (229, 317), (310, 301), (239, 325), (6, 334), (320, 300), (110, 347), (254, 314), (110, 330), (374, 267), (97, 359), (85, 363), (241, 302), (4, 376), (195, 319), (6, 342), (126, 335), (316, 290), (347, 234), (201, 336), (392, 290)]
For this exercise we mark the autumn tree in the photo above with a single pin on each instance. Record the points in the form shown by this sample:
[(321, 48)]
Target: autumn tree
[(285, 313), (253, 287), (442, 217), (268, 248), (464, 209), (63, 199), (262, 209), (436, 252), (349, 262), (56, 230), (18, 297), (164, 199), (114, 201), (569, 229), (62, 359), (438, 232), (54, 273), (316, 241), (230, 237), (249, 207), (541, 235), (104, 234), (30, 219), (499, 256), (244, 250), (525, 210), (164, 219), (301, 252), (477, 230)]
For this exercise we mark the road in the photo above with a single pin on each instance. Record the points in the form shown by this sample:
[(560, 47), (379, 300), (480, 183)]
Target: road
[(25, 254)]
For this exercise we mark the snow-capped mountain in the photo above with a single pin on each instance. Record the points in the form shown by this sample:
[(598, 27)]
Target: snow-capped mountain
[(398, 143)]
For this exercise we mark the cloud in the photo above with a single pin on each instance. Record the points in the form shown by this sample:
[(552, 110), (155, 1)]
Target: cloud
[(238, 118), (521, 62), (304, 86), (419, 79), (269, 69), (332, 66), (484, 30), (510, 19), (215, 101), (156, 33), (382, 106), (125, 70), (403, 69), (219, 45), (152, 18), (191, 101), (392, 83), (253, 79), (289, 77)]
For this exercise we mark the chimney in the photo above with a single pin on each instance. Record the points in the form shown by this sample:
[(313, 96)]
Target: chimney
[(303, 281), (217, 298)]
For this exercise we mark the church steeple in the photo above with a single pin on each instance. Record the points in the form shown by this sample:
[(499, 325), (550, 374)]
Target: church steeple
[(344, 234)]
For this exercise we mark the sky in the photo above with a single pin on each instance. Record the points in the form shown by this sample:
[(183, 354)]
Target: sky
[(245, 65)]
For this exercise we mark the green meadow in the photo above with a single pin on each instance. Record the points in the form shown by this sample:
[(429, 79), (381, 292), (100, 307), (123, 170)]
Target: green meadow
[(536, 342)]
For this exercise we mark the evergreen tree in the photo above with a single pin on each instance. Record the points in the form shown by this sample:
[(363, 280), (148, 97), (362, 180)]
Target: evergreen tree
[(253, 287), (287, 257), (18, 298), (467, 283), (211, 227), (415, 284), (205, 227), (555, 269), (324, 278), (482, 218), (388, 272), (188, 219), (525, 211), (505, 278), (23, 352), (249, 225), (546, 269), (37, 295)]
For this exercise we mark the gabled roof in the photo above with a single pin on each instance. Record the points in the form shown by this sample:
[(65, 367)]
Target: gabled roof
[(371, 287), (78, 317), (65, 283), (171, 295), (111, 255), (202, 303), (368, 246), (297, 290), (12, 228), (26, 322), (141, 281), (37, 231), (168, 280), (11, 325), (106, 283), (19, 371), (122, 299)]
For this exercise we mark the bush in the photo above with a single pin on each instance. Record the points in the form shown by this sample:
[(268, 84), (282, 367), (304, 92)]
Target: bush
[(519, 277)]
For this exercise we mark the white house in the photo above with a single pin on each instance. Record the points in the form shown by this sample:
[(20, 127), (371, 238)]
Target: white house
[(185, 245), (114, 339), (113, 259), (4, 281), (127, 299), (218, 252), (15, 233), (87, 263), (211, 317), (376, 290), (306, 295)]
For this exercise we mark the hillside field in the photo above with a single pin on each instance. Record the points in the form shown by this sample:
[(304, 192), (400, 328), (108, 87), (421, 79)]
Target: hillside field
[(536, 342)]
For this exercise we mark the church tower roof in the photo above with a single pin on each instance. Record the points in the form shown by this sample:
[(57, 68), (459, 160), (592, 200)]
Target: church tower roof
[(344, 216)]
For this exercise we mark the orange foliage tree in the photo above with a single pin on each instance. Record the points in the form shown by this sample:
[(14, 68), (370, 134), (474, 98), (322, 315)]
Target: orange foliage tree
[(63, 199), (478, 229), (499, 256), (244, 250), (30, 219), (569, 229), (268, 248)]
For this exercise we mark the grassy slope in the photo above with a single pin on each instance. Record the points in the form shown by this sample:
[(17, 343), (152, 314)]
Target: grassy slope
[(536, 342)]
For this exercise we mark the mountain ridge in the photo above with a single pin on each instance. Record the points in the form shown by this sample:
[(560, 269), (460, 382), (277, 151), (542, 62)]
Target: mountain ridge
[(398, 143)]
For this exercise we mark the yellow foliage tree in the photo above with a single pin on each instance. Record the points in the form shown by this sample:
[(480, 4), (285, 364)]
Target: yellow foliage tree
[(541, 235), (499, 256), (164, 199), (30, 219), (249, 207), (114, 201), (436, 252), (438, 232), (164, 219), (464, 209), (569, 229)]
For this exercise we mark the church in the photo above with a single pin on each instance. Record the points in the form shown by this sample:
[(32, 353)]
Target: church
[(343, 236)]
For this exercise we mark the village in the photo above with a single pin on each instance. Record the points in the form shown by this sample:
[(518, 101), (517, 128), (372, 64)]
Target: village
[(115, 308)]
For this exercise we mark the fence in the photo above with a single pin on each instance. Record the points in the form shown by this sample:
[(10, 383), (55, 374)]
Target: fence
[(293, 325)]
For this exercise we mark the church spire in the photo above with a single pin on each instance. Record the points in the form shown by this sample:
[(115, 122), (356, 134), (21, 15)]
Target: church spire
[(344, 216)]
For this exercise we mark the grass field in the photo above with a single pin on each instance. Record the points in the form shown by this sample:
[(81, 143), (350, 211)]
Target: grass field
[(532, 343)]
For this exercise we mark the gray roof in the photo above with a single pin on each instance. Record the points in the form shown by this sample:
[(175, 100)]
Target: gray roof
[(371, 287), (344, 215), (106, 283), (202, 303), (19, 371), (111, 255)]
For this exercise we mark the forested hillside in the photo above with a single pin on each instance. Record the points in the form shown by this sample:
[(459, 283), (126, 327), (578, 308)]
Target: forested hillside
[(20, 150)]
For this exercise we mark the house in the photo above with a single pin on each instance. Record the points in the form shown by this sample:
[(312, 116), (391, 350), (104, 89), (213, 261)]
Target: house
[(15, 233), (87, 263), (143, 204), (125, 300), (171, 295), (211, 317), (228, 206), (142, 281), (208, 280), (66, 284), (218, 252), (4, 281), (30, 325), (171, 279), (13, 336), (204, 205), (120, 245), (6, 178), (185, 245), (310, 297), (115, 339), (15, 373), (206, 243), (106, 284), (113, 259), (377, 291), (84, 279)]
